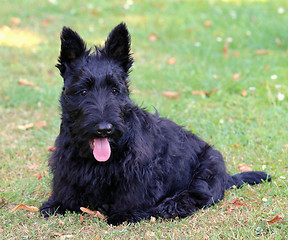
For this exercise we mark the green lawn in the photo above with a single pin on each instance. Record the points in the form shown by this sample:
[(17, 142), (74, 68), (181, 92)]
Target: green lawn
[(235, 51)]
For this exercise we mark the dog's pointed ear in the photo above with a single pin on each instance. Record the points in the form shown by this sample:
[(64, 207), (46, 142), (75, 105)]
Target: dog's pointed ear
[(117, 46), (72, 47)]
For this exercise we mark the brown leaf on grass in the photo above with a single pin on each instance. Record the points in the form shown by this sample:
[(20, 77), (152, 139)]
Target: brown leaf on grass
[(243, 93), (44, 22), (278, 218), (40, 124), (97, 237), (171, 94), (236, 76), (172, 61), (236, 203), (99, 215), (81, 218), (231, 120), (236, 54), (244, 167), (202, 92), (95, 214), (25, 82), (152, 219), (209, 93), (226, 51), (25, 207), (153, 37), (208, 23), (1, 230), (15, 21), (236, 146), (25, 126), (38, 176), (51, 148), (261, 52), (32, 167), (278, 41), (198, 92), (267, 68)]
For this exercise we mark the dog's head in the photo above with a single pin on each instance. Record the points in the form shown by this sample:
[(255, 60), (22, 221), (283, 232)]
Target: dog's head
[(95, 93)]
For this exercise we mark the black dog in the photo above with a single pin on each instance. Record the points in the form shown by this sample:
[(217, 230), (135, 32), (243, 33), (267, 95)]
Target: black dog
[(114, 156)]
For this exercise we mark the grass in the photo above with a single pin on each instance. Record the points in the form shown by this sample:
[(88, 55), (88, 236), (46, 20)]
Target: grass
[(250, 129)]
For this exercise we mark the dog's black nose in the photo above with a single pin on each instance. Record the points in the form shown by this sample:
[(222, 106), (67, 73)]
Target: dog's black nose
[(104, 129)]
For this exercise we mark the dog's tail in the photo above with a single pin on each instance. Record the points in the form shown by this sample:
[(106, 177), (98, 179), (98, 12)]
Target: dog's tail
[(253, 177)]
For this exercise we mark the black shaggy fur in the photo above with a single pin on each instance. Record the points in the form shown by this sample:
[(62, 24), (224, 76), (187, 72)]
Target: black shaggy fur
[(155, 168)]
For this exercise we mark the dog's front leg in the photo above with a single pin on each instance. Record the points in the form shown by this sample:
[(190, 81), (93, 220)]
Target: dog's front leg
[(51, 207), (130, 216)]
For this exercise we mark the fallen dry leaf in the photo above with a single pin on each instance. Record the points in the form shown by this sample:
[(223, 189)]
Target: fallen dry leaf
[(15, 21), (96, 214), (244, 167), (261, 52), (99, 215), (279, 217), (171, 94), (236, 203), (45, 22), (38, 176), (226, 51), (32, 167), (25, 82), (236, 146), (236, 76), (198, 92), (267, 68), (202, 92), (61, 223), (231, 120), (51, 148), (1, 230), (81, 218), (153, 37), (97, 237), (243, 93), (209, 93), (278, 41), (25, 126), (152, 219), (236, 54), (25, 207), (40, 124), (208, 23), (172, 61)]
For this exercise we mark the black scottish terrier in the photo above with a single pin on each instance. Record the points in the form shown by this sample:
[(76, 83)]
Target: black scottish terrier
[(113, 156)]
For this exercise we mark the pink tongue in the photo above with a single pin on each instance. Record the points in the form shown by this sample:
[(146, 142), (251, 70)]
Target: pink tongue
[(101, 149)]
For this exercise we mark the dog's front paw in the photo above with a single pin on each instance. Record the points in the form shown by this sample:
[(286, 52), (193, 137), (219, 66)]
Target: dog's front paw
[(51, 207)]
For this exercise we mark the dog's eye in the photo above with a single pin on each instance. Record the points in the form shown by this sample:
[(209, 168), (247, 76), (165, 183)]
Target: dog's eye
[(115, 91), (83, 93)]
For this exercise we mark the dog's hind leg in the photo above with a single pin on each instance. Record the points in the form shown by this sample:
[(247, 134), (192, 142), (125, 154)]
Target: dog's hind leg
[(186, 202)]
